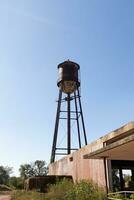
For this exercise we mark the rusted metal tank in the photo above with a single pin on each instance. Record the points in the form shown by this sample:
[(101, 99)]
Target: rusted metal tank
[(68, 80)]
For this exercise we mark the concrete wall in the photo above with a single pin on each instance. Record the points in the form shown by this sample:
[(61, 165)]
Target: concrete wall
[(80, 168)]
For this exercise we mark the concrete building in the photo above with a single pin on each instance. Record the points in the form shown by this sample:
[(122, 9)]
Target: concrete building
[(106, 161)]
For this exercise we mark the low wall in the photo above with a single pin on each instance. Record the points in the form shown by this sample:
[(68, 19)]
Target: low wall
[(80, 168)]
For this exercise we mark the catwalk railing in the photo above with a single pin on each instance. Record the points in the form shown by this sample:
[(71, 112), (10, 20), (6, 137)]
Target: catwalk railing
[(125, 194)]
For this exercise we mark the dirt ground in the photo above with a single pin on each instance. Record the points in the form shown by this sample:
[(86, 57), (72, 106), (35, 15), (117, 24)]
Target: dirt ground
[(5, 197)]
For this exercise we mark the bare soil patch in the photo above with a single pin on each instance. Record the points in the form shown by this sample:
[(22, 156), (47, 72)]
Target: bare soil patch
[(5, 197)]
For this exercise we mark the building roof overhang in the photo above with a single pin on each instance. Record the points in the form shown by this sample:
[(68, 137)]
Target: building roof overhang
[(122, 149)]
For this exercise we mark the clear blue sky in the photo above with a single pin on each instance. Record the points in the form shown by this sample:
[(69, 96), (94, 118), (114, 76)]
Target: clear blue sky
[(35, 36)]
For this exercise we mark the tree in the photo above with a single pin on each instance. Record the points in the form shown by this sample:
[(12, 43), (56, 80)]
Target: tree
[(15, 183), (37, 168), (26, 171), (40, 168), (5, 174)]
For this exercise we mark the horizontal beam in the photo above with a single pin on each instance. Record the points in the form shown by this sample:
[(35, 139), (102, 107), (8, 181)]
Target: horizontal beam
[(66, 149), (97, 154)]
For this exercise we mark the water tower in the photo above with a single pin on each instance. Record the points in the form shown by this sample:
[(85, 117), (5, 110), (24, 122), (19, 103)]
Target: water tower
[(69, 87)]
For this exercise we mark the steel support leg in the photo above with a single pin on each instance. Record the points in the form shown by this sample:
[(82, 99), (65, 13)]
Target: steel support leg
[(77, 119), (82, 118), (56, 128), (68, 125)]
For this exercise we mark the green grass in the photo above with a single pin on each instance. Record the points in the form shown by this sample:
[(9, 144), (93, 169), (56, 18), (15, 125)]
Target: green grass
[(23, 195), (64, 190), (120, 196)]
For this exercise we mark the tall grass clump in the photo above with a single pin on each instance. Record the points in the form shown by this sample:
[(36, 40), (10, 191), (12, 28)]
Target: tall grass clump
[(59, 190), (84, 190), (24, 195), (117, 196), (122, 197), (65, 190)]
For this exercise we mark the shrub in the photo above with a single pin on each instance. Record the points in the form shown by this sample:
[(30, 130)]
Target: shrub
[(65, 190), (85, 190), (58, 191), (121, 197), (117, 196), (16, 183), (132, 197)]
